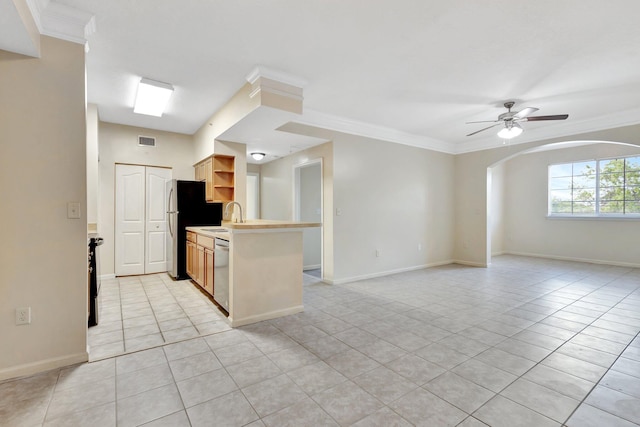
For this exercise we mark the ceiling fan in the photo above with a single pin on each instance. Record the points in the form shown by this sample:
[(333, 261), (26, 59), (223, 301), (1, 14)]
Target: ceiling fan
[(510, 120)]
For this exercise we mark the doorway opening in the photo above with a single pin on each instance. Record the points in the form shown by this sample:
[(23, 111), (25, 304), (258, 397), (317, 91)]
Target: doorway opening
[(253, 195), (308, 207)]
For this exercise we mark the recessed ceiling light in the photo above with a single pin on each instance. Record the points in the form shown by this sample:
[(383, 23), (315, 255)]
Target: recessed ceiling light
[(152, 97)]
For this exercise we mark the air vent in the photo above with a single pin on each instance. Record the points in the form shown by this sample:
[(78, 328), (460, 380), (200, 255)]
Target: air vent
[(146, 141)]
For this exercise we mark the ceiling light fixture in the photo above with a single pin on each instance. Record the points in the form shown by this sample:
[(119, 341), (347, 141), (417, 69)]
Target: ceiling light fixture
[(510, 130), (257, 156), (152, 97)]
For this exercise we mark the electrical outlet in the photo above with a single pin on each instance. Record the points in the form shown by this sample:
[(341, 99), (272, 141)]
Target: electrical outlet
[(338, 211), (378, 253), (419, 246), (23, 316)]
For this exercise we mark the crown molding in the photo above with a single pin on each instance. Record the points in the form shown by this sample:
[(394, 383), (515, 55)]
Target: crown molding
[(260, 71), (36, 7), (263, 84), (354, 127), (569, 129), (62, 22)]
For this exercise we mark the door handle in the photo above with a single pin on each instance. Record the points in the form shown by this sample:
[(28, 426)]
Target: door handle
[(170, 212)]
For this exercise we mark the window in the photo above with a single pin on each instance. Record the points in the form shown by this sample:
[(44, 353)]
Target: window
[(605, 187)]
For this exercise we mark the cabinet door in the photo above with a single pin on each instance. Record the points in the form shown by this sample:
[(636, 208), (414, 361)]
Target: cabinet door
[(208, 179), (191, 259), (208, 271), (199, 171), (200, 266)]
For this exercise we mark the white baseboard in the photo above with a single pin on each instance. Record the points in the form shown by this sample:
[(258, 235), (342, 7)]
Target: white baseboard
[(107, 276), (470, 263), (311, 267), (234, 323), (576, 259), (42, 365), (386, 273)]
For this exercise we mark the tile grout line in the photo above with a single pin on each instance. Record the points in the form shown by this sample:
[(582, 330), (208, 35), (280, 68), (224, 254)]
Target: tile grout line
[(598, 382), (175, 383), (539, 362), (566, 341)]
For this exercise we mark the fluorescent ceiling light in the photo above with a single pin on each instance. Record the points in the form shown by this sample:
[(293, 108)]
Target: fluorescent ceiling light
[(509, 132), (257, 156), (152, 97)]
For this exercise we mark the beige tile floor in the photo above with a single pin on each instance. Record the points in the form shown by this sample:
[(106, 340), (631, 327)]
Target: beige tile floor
[(141, 312), (527, 342)]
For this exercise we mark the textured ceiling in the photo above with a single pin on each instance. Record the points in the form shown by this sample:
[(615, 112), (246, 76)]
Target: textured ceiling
[(418, 68)]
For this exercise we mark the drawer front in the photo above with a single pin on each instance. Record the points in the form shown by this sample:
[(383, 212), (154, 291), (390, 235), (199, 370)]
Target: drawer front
[(191, 236), (205, 241)]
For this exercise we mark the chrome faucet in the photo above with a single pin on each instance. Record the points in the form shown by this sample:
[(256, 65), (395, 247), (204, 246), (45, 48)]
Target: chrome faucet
[(226, 210)]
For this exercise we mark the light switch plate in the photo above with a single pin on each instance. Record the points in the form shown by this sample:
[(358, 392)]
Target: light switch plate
[(73, 210), (23, 316)]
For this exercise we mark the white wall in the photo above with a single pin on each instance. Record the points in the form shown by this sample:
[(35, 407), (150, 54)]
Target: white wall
[(496, 209), (43, 254), (529, 230), (392, 198), (234, 110), (119, 144)]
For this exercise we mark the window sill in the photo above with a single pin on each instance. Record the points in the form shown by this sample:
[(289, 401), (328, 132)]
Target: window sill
[(595, 218)]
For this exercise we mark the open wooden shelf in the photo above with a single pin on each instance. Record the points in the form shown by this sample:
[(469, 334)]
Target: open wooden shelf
[(218, 172)]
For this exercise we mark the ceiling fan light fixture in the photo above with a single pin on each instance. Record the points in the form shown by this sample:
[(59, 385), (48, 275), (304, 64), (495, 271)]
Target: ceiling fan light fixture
[(257, 156), (510, 131)]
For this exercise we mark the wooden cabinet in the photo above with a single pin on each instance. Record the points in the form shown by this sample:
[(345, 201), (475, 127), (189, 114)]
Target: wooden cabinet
[(191, 259), (200, 258), (208, 179), (200, 172), (200, 267), (191, 254), (218, 172)]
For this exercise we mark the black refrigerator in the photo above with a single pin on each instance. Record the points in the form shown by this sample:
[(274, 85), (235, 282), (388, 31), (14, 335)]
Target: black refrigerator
[(186, 207)]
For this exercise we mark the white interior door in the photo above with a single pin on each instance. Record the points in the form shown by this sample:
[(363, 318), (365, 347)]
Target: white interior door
[(156, 219), (130, 220), (140, 220)]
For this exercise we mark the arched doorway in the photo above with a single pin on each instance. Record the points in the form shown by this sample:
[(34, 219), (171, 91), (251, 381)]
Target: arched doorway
[(517, 195)]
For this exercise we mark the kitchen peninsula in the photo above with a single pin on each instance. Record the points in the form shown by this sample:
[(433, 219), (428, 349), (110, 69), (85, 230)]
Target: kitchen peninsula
[(265, 268)]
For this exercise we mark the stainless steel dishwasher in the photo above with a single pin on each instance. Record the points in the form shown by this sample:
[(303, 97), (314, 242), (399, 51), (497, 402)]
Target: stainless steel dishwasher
[(221, 273)]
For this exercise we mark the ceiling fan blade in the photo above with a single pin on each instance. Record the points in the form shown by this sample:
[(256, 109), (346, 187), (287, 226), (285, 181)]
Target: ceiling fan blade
[(485, 121), (525, 112), (489, 127), (540, 118)]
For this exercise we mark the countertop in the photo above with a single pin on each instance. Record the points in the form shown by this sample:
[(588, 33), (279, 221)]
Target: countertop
[(212, 231), (267, 223), (222, 231)]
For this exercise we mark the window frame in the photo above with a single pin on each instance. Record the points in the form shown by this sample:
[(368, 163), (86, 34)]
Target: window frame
[(597, 214)]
